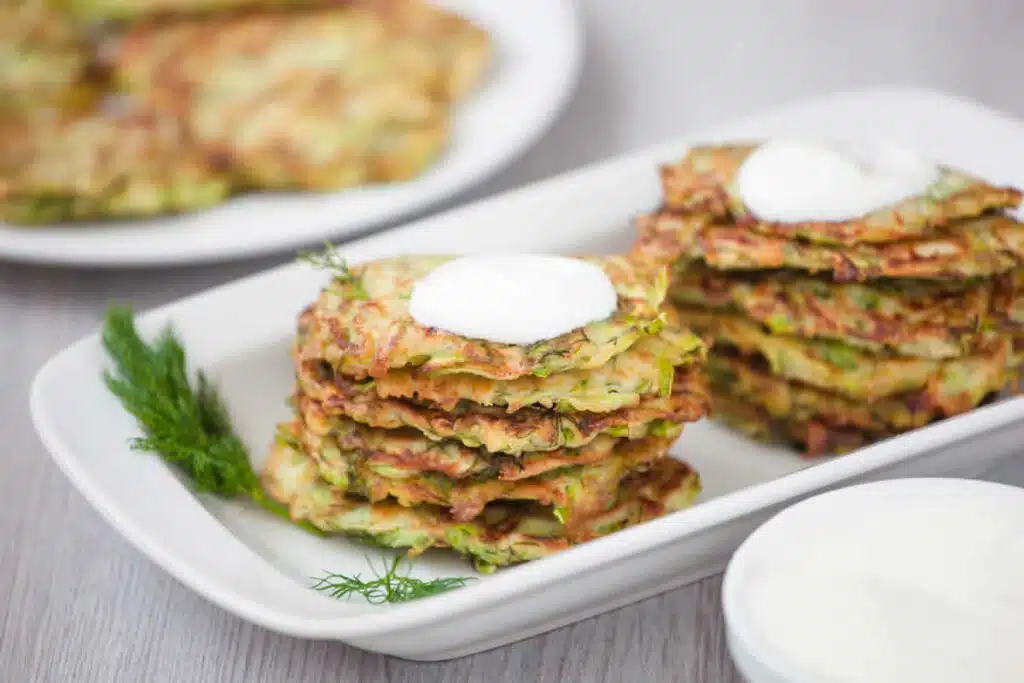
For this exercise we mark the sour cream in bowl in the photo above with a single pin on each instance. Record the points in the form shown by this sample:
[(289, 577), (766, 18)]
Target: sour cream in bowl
[(902, 581)]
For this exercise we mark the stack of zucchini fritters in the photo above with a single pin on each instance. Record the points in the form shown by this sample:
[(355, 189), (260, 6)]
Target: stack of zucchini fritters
[(832, 335), (122, 108), (413, 437)]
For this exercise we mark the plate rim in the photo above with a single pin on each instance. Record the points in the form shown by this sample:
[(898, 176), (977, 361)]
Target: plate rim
[(30, 252), (531, 576)]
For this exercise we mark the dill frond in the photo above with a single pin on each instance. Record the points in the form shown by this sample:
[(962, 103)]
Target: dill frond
[(388, 586), (189, 428)]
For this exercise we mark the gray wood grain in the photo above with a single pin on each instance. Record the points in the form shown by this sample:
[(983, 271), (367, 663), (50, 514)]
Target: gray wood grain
[(77, 605)]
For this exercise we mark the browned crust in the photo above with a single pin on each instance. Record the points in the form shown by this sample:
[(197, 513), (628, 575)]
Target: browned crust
[(598, 479), (361, 325), (704, 182), (986, 246), (937, 324), (750, 379), (525, 430), (816, 437)]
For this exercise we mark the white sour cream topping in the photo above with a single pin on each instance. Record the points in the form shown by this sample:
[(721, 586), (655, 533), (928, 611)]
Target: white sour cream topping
[(896, 585), (789, 181), (519, 299)]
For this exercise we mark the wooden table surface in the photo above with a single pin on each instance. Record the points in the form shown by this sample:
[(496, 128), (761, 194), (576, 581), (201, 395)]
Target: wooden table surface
[(78, 605)]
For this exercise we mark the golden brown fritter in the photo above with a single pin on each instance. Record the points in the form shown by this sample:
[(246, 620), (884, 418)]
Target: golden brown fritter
[(577, 491), (644, 369), (322, 99), (408, 452), (360, 324), (953, 385), (440, 53), (816, 438), (314, 133), (979, 247), (505, 533), (83, 166), (928, 319), (526, 430), (705, 182), (750, 379)]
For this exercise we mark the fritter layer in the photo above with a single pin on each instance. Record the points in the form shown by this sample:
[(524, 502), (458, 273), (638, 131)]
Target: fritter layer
[(952, 385), (644, 369), (412, 41), (526, 430), (337, 97), (505, 533), (980, 247), (360, 324), (928, 319), (406, 452), (576, 492), (77, 167), (816, 438), (705, 181), (752, 381)]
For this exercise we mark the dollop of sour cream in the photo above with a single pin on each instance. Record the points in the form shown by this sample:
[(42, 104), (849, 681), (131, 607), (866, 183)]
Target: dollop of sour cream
[(895, 583), (790, 181), (516, 299)]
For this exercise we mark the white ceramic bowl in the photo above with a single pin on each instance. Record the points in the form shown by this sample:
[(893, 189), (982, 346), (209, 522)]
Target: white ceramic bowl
[(763, 659)]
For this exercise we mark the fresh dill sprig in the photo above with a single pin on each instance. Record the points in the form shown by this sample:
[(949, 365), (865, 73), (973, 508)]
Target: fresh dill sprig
[(328, 259), (332, 261), (387, 587), (189, 429)]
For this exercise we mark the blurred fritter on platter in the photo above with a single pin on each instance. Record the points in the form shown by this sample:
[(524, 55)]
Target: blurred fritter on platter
[(216, 98)]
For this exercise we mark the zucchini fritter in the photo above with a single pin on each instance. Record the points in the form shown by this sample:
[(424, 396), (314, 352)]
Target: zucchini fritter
[(417, 437), (503, 534), (816, 438), (315, 133), (977, 247), (705, 182), (323, 99), (928, 319), (645, 369), (440, 53), (400, 453), (360, 324), (526, 430), (577, 491), (82, 166), (752, 381), (954, 385)]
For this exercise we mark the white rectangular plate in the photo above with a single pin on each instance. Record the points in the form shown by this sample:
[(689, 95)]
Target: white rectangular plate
[(259, 568)]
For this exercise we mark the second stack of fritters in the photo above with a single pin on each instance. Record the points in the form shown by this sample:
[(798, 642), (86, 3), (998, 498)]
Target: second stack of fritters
[(836, 334), (416, 437), (182, 103), (316, 99)]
